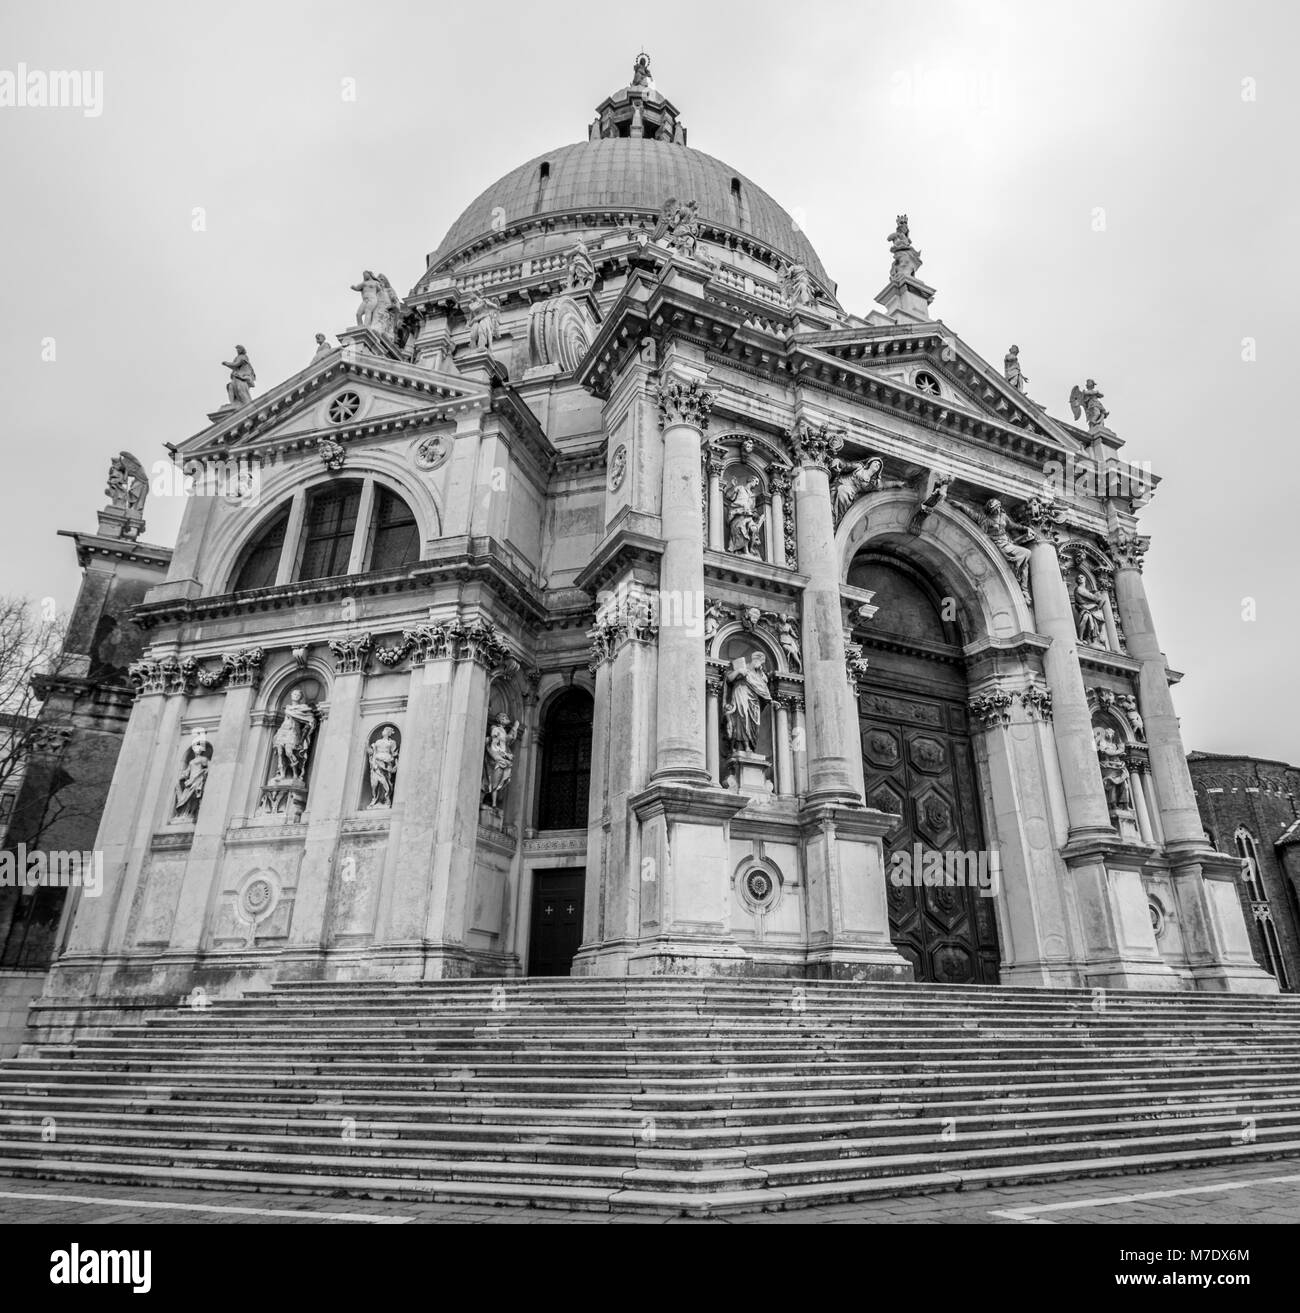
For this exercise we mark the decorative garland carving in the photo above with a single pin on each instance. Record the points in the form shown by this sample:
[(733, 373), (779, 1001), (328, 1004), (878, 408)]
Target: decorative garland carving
[(457, 639), (171, 675)]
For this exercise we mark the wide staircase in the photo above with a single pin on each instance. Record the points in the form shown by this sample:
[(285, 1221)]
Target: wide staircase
[(694, 1096)]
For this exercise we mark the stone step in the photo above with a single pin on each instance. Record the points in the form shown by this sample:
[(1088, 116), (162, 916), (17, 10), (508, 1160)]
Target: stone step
[(424, 1134), (646, 1168), (672, 1095), (653, 1201), (603, 1119), (515, 1054)]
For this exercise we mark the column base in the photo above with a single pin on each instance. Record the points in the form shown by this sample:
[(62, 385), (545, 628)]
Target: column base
[(874, 964)]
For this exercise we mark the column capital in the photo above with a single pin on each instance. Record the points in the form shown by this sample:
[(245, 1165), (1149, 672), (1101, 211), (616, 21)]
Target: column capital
[(814, 445), (1128, 549), (684, 400)]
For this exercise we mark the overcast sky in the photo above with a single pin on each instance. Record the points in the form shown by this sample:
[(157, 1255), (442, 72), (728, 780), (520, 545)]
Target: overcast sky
[(1003, 130)]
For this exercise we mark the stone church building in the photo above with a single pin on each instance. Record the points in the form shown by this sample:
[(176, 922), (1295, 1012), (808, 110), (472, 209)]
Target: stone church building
[(617, 602)]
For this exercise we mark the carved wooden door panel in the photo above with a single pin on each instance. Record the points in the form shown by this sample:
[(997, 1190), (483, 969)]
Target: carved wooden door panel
[(917, 763)]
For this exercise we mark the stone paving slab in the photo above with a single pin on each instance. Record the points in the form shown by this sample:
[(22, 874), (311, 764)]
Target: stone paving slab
[(1262, 1192)]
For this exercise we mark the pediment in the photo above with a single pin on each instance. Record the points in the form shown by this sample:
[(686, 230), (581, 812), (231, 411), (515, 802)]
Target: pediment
[(927, 366), (348, 393)]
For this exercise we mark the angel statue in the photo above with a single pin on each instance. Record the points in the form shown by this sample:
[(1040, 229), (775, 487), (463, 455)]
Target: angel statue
[(292, 743), (382, 755), (851, 480), (128, 484), (1087, 401), (741, 497), (498, 759), (748, 694)]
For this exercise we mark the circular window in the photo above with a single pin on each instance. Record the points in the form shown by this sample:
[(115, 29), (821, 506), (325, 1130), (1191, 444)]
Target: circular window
[(344, 407), (927, 383), (1157, 917), (760, 887)]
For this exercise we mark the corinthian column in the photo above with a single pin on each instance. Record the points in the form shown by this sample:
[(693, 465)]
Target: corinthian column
[(684, 408), (1178, 812), (832, 726), (1085, 795)]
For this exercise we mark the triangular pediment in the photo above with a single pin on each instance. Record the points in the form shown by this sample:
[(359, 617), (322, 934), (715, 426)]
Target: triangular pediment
[(346, 394), (927, 368)]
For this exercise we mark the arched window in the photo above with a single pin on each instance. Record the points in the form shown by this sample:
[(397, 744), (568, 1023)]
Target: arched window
[(566, 762), (262, 558), (1246, 850), (326, 544), (330, 522), (397, 536)]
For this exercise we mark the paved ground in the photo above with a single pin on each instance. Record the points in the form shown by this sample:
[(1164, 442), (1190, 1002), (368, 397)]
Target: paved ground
[(1265, 1192)]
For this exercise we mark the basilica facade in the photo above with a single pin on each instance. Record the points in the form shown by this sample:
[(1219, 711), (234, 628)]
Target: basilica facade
[(617, 602)]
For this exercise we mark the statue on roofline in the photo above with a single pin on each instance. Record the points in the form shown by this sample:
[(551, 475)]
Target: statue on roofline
[(1087, 401), (242, 378)]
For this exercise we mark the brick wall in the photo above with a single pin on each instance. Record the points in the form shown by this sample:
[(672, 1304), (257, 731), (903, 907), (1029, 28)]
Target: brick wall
[(1262, 797)]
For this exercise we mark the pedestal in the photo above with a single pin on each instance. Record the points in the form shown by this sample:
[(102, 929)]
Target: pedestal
[(749, 772)]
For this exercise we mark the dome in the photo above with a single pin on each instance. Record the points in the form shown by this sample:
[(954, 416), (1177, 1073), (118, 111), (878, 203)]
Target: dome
[(630, 175)]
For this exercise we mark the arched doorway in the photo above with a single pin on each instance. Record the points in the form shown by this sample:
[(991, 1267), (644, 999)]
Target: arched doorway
[(563, 793), (917, 762)]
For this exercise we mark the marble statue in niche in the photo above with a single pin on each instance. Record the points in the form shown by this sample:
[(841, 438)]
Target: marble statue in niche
[(1114, 769), (498, 757), (1089, 613), (194, 778), (744, 523), (382, 758), (747, 697), (291, 747)]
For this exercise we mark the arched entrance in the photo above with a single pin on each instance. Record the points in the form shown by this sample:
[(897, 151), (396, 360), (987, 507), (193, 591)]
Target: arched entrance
[(917, 762)]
